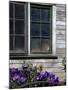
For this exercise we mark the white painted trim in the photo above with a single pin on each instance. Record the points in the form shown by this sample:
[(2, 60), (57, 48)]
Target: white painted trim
[(54, 29), (28, 28)]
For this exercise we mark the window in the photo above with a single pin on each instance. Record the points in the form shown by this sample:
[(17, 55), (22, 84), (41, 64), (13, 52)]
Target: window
[(40, 28), (17, 27)]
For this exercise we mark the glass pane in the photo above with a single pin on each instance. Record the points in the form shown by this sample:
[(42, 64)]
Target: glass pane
[(19, 43), (35, 45), (45, 15), (11, 43), (45, 29), (19, 27), (19, 11), (35, 29), (35, 14), (45, 45), (11, 26), (11, 10)]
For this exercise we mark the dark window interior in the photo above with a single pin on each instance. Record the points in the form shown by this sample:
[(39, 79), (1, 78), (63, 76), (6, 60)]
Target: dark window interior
[(17, 27), (19, 43), (11, 10), (40, 29), (19, 11)]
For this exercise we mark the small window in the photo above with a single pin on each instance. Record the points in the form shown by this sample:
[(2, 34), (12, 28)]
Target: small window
[(45, 15), (45, 29), (19, 43), (35, 45), (19, 27), (35, 14), (35, 29), (19, 11)]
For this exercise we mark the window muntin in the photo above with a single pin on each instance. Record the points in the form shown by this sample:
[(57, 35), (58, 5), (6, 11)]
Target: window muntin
[(40, 28), (17, 27)]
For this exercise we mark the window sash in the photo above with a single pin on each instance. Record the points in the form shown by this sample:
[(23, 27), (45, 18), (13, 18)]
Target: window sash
[(15, 34), (50, 52)]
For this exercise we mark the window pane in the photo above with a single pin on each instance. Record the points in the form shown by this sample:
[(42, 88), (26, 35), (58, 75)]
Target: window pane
[(11, 10), (35, 29), (19, 27), (35, 45), (11, 42), (45, 29), (35, 14), (11, 26), (45, 15), (19, 43), (19, 11), (45, 45)]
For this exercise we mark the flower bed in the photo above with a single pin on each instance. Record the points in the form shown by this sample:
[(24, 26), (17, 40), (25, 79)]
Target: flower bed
[(29, 76)]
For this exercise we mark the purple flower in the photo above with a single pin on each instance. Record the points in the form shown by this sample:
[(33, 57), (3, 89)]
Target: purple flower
[(23, 79), (56, 80), (16, 78), (13, 70), (19, 76), (47, 76), (37, 78)]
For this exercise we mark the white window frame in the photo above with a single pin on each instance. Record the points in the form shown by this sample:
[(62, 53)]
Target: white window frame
[(53, 29)]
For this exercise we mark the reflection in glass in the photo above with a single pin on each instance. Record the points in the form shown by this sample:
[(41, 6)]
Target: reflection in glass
[(45, 29), (19, 43), (19, 27), (35, 14), (35, 45), (45, 45), (45, 15), (35, 29)]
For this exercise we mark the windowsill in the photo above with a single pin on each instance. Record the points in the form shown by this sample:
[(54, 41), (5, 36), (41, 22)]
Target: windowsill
[(20, 56)]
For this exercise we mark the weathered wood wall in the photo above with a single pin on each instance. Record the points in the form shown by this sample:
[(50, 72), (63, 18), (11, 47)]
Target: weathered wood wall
[(60, 30), (53, 65)]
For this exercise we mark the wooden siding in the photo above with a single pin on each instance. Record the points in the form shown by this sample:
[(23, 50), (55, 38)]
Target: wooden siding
[(53, 65), (61, 30)]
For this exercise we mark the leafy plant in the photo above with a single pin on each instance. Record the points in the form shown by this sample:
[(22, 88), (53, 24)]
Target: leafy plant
[(64, 63), (29, 74)]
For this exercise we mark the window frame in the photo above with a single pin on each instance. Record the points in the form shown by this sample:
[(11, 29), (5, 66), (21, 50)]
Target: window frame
[(23, 52), (29, 25)]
